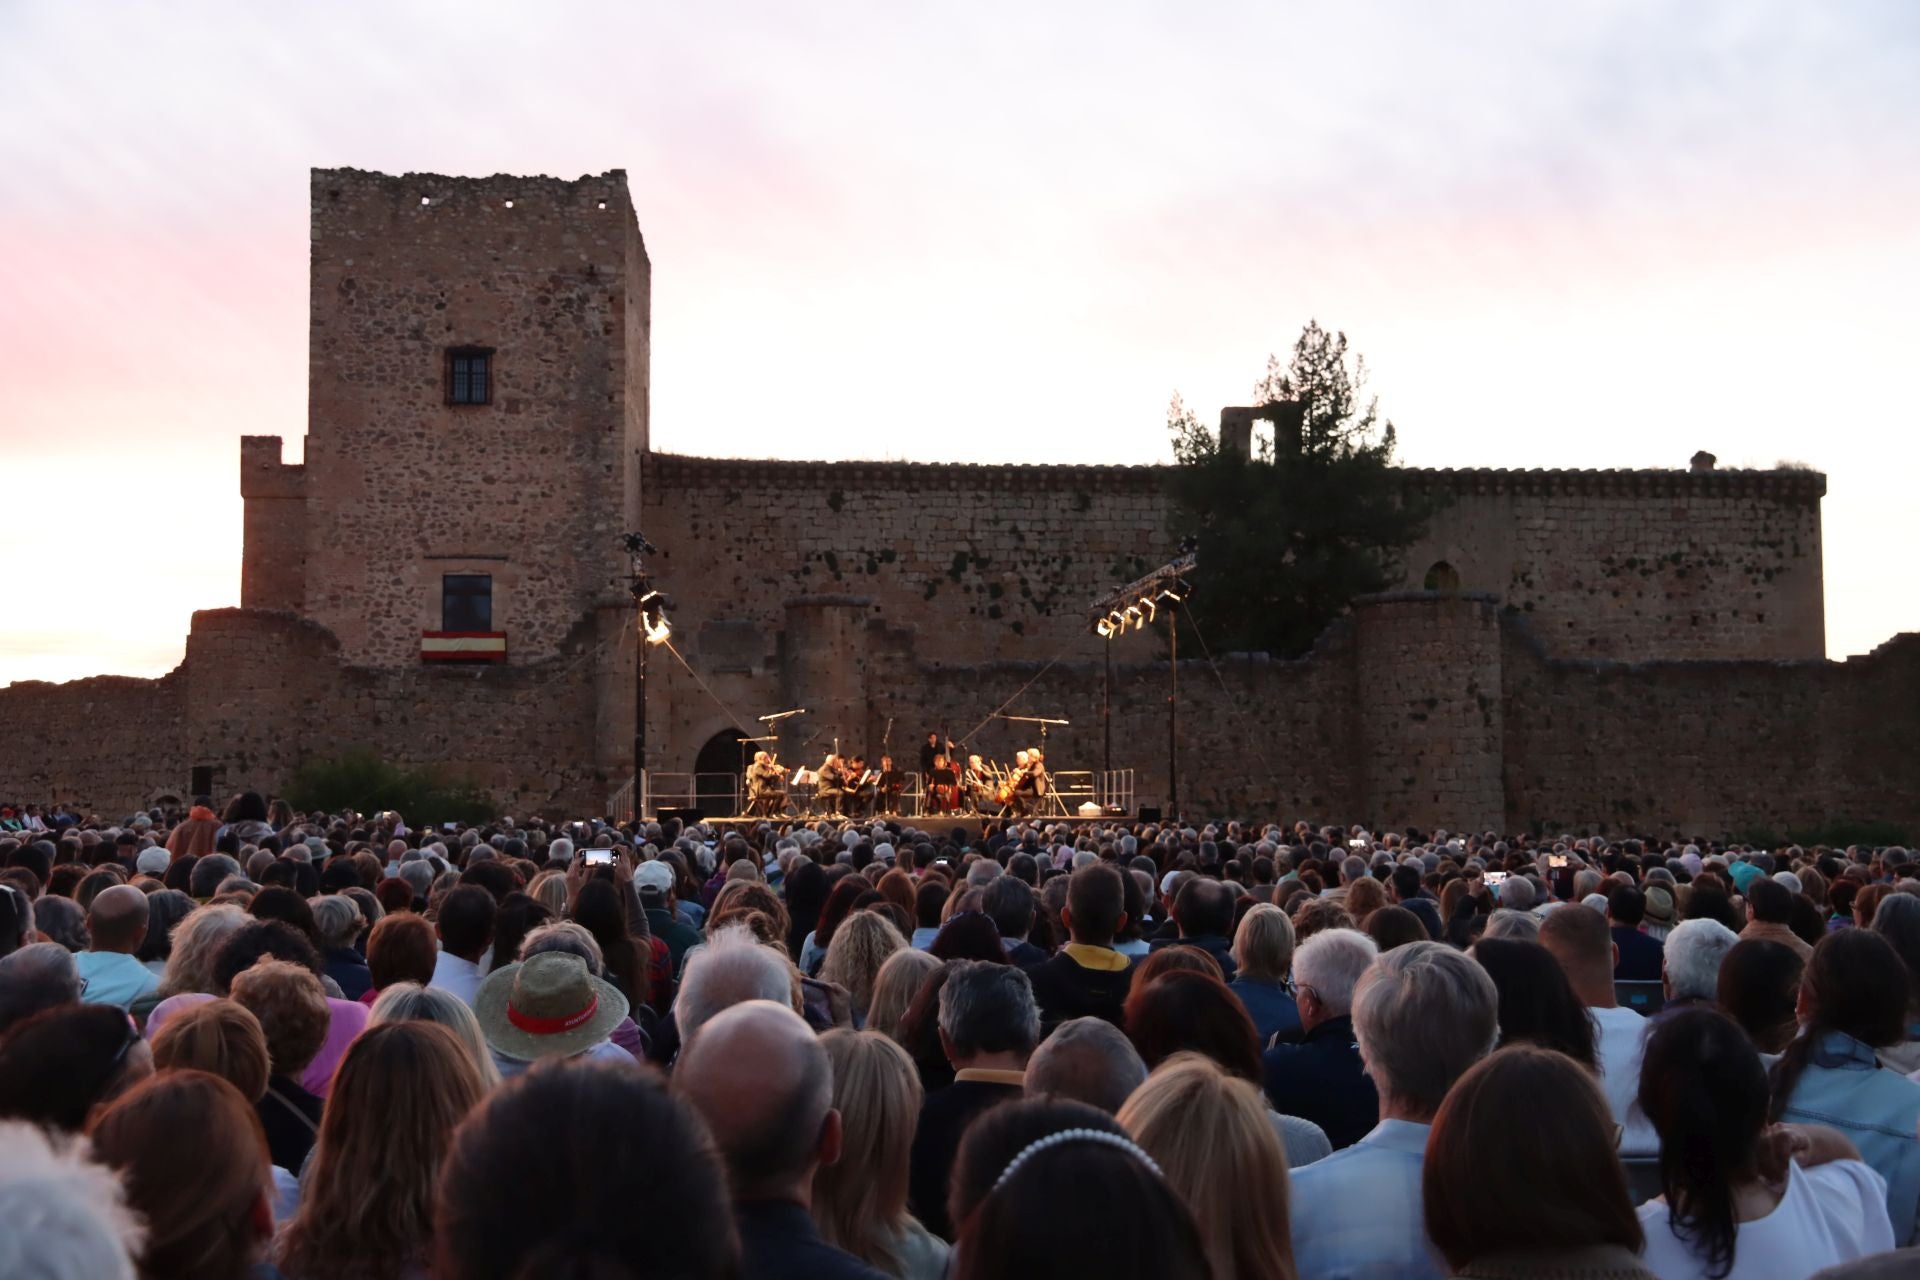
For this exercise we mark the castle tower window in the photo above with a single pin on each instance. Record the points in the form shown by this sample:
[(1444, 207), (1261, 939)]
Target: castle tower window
[(1442, 577), (466, 602), (470, 375)]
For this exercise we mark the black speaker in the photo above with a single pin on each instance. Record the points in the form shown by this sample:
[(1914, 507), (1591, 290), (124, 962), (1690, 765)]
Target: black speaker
[(1149, 813), (203, 780), (687, 816)]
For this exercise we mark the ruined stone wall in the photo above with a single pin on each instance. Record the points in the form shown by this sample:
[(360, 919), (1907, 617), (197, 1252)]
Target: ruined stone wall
[(1710, 748), (1636, 565), (269, 691), (111, 742), (1429, 710), (533, 488), (989, 563), (273, 556)]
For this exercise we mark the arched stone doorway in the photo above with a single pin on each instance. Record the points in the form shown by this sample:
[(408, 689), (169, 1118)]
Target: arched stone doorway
[(717, 775), (1442, 577)]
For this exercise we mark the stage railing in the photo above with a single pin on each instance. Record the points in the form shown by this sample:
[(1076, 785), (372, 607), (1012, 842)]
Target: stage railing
[(718, 795), (715, 794)]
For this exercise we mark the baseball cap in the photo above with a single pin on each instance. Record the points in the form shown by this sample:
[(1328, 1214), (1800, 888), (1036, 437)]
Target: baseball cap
[(653, 877), (152, 862)]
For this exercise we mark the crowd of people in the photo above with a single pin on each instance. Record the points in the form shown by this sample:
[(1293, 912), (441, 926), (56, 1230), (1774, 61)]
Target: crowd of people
[(257, 1043)]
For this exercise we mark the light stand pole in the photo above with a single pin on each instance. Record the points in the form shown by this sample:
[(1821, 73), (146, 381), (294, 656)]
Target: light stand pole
[(1173, 714), (1106, 717), (651, 628), (1137, 605)]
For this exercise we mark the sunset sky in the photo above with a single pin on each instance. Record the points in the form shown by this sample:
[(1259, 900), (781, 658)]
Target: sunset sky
[(1585, 235)]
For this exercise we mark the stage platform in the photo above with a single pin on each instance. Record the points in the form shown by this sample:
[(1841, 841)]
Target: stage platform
[(939, 824)]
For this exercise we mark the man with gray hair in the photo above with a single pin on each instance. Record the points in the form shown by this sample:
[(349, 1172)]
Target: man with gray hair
[(1423, 1014), (989, 1025), (1321, 1078), (1690, 972), (730, 968), (38, 976), (1086, 1060)]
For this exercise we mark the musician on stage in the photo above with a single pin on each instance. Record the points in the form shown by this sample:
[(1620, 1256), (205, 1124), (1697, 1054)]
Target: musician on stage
[(830, 786), (893, 784), (929, 752), (976, 785), (1029, 782), (943, 785), (860, 787), (765, 793)]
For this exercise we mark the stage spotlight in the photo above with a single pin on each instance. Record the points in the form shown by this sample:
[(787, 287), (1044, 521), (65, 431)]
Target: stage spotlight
[(1103, 629), (1146, 602), (1133, 615)]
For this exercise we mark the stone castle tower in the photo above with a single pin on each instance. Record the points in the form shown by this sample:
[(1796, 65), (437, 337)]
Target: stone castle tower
[(477, 415)]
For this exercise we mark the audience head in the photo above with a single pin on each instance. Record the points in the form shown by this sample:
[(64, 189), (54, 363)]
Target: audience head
[(261, 940), (861, 944), (1759, 988), (860, 1200), (1550, 1186), (1583, 944), (1854, 986), (987, 1010), (1203, 908), (401, 1090), (1192, 1012), (1326, 969), (1038, 1186), (1694, 952), (62, 1215), (1703, 1089), (58, 1065), (1263, 944), (1423, 1014), (411, 1002), (39, 976), (117, 919), (894, 988), (1537, 1003), (221, 1038), (215, 1224), (401, 948), (760, 1077), (1086, 1060), (515, 1202), (291, 1006), (1208, 1131), (733, 967)]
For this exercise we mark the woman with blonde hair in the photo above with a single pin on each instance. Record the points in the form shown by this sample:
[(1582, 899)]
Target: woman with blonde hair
[(860, 946), (411, 1002), (1208, 1130), (860, 1201), (1263, 959), (367, 1207), (196, 941), (895, 986), (549, 889)]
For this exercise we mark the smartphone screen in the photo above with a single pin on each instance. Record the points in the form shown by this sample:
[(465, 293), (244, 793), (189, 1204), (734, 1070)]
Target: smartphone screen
[(599, 857)]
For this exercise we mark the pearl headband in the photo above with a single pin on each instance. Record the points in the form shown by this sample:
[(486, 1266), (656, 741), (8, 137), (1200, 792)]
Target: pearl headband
[(1065, 1136)]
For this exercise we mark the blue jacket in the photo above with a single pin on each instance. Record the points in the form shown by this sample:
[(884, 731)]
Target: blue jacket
[(1270, 1006), (1845, 1086), (1320, 1080)]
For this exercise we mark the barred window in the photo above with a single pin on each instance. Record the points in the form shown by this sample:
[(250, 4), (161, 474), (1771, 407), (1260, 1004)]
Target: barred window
[(470, 375)]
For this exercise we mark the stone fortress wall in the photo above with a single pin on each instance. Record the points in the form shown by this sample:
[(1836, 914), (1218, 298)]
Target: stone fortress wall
[(1629, 649)]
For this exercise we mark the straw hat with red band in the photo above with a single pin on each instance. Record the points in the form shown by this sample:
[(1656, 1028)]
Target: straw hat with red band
[(547, 1006)]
